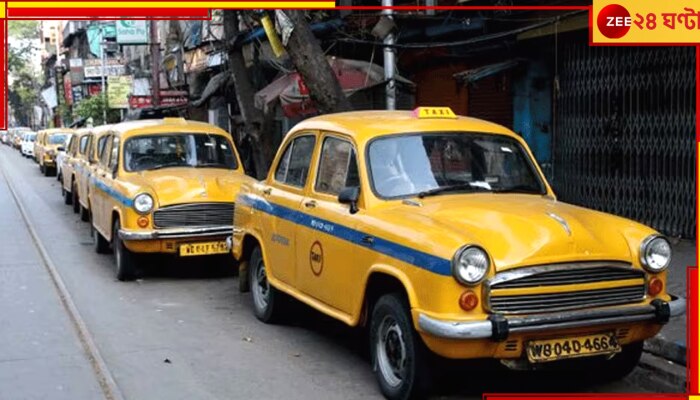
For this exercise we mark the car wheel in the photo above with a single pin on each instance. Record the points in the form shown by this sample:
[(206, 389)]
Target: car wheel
[(67, 196), (125, 259), (41, 168), (399, 357), (266, 299), (47, 171), (76, 199), (84, 214), (100, 244)]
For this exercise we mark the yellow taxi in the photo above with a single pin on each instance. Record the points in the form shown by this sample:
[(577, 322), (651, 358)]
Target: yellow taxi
[(46, 148), (84, 165), (70, 165), (163, 186), (441, 234)]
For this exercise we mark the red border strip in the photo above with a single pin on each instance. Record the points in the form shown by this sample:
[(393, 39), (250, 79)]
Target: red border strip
[(692, 331), (101, 13), (3, 64)]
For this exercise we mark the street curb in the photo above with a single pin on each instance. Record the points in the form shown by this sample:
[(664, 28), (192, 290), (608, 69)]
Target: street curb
[(666, 349), (659, 375)]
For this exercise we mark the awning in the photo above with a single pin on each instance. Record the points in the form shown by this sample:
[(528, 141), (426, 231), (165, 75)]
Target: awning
[(475, 74), (215, 83), (292, 93)]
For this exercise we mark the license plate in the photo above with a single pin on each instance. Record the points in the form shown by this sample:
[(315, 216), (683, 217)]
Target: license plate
[(200, 249), (559, 349)]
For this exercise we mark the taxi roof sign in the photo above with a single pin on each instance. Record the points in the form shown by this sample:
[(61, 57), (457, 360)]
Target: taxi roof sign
[(434, 112)]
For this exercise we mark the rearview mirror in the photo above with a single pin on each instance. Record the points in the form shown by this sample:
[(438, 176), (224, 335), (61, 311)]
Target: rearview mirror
[(350, 195)]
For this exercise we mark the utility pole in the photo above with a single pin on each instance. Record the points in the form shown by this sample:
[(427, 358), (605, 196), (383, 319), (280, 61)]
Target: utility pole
[(389, 60), (155, 63), (103, 47)]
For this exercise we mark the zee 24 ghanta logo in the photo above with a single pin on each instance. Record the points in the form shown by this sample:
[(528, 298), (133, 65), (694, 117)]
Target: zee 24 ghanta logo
[(615, 21)]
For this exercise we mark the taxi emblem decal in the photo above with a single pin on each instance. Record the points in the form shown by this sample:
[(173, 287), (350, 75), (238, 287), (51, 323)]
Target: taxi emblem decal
[(562, 221), (316, 258)]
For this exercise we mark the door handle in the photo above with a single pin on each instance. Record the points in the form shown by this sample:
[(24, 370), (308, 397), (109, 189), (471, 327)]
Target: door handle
[(310, 204), (267, 191), (368, 240)]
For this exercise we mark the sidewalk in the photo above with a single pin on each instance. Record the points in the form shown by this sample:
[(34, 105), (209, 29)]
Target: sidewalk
[(671, 342)]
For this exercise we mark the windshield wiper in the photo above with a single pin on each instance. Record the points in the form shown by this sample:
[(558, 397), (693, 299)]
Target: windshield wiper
[(453, 188), (167, 165), (518, 189), (206, 165)]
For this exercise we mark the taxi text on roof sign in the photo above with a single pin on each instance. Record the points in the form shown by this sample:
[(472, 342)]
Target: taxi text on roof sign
[(434, 112)]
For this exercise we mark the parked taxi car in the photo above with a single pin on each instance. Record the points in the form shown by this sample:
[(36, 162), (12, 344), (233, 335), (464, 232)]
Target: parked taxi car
[(440, 233), (163, 186), (46, 148), (84, 164), (61, 154), (27, 145)]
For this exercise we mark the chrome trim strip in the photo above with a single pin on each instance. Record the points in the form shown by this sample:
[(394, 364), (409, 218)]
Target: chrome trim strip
[(455, 330), (171, 233), (677, 306)]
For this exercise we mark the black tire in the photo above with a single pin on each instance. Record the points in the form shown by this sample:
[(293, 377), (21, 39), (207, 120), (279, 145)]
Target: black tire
[(67, 196), (76, 199), (100, 244), (267, 301), (47, 171), (125, 259), (41, 168), (391, 335), (84, 213)]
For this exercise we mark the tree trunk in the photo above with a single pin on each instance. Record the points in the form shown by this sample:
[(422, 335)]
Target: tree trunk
[(308, 58), (245, 95)]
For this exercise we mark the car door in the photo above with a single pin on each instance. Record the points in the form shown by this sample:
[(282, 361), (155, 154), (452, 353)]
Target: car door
[(100, 196), (82, 166), (325, 253), (284, 192)]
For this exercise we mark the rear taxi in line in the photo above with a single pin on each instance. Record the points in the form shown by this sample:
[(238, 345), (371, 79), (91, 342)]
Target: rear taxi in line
[(84, 164), (46, 148), (163, 186), (69, 165), (441, 234)]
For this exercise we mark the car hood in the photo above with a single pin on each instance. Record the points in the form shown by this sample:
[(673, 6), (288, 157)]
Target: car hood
[(519, 230), (190, 185)]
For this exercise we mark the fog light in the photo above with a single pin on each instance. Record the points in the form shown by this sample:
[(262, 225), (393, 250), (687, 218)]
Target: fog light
[(656, 285), (468, 300), (142, 222)]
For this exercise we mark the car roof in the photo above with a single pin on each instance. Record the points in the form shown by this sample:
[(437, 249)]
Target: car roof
[(175, 125), (365, 125), (54, 131)]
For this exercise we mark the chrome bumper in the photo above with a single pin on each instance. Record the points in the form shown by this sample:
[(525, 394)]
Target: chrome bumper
[(498, 327), (174, 233)]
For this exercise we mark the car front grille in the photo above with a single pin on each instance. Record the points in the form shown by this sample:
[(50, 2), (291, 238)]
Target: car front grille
[(563, 287), (195, 214)]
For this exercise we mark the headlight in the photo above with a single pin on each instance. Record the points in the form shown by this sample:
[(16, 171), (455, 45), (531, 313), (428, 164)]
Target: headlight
[(470, 265), (143, 203), (655, 253)]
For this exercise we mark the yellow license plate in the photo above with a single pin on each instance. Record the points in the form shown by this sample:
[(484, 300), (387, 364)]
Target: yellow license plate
[(201, 249), (559, 349)]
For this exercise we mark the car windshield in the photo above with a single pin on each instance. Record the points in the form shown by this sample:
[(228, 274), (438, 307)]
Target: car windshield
[(178, 150), (435, 163), (30, 137), (58, 138)]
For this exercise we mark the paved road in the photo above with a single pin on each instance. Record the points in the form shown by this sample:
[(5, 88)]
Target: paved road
[(182, 332)]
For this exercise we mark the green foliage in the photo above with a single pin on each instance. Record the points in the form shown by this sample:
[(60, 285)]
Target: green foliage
[(24, 89), (92, 107), (22, 29)]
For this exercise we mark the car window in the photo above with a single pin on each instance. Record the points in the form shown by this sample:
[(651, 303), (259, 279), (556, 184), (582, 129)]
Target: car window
[(84, 143), (100, 146), (106, 151), (296, 160), (337, 167), (115, 154)]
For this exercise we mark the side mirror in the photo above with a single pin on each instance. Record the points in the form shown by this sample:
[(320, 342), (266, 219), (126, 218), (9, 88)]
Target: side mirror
[(350, 195), (61, 148)]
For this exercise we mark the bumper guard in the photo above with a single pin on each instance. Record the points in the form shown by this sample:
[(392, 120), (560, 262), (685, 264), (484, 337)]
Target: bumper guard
[(498, 326), (174, 233)]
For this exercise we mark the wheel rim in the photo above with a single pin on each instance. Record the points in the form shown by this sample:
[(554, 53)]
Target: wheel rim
[(391, 352), (260, 287)]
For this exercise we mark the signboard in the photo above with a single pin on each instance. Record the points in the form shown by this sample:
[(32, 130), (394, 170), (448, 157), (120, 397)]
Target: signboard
[(68, 90), (118, 91), (131, 31), (49, 96), (76, 71), (113, 67), (77, 94), (94, 89), (167, 99)]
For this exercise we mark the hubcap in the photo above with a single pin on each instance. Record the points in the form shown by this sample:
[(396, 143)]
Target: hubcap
[(261, 287), (391, 352)]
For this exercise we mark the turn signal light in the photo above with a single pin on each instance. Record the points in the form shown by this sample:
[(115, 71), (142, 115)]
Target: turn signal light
[(142, 222), (468, 300), (656, 285)]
